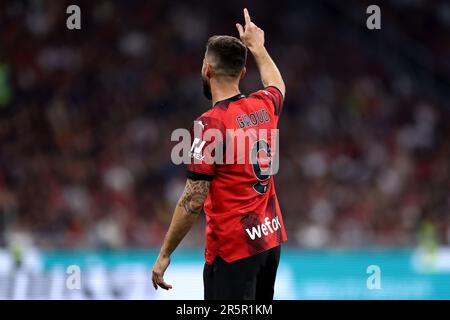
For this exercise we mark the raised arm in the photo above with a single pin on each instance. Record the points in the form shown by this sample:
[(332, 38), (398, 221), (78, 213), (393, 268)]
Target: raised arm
[(253, 37), (186, 212)]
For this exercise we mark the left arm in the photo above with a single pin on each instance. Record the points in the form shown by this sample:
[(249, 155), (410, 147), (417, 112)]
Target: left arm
[(186, 212)]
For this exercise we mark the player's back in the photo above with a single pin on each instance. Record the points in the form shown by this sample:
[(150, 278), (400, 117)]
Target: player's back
[(242, 211)]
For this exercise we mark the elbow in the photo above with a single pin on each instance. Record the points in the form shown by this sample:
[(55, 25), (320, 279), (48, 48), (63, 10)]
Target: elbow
[(194, 196), (195, 204)]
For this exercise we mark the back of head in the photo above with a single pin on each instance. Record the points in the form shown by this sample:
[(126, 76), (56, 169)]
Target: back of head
[(227, 54)]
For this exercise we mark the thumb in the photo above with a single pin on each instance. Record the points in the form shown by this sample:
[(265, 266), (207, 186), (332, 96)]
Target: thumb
[(240, 29)]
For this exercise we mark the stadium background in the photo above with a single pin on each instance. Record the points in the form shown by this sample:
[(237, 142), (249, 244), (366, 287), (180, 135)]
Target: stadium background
[(85, 123)]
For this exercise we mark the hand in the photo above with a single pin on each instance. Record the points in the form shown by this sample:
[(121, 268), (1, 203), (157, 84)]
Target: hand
[(159, 268), (250, 34)]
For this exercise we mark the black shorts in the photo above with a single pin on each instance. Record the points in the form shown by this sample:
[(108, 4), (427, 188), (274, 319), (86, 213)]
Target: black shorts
[(251, 278)]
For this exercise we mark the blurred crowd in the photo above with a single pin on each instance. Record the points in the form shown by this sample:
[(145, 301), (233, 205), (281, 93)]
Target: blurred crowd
[(86, 118)]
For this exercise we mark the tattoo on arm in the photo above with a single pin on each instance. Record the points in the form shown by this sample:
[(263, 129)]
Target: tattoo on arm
[(194, 196)]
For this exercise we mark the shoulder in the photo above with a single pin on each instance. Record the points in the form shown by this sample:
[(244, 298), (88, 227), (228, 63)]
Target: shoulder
[(270, 95), (213, 118)]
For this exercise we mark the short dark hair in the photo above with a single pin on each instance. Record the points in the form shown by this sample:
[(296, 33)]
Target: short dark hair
[(229, 53)]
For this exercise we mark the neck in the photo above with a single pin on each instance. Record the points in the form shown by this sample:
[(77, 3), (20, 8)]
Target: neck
[(223, 90)]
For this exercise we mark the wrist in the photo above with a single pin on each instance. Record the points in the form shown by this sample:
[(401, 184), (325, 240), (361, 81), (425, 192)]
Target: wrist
[(164, 254), (258, 50)]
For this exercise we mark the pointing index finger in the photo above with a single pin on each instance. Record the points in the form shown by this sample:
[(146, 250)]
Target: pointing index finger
[(247, 17)]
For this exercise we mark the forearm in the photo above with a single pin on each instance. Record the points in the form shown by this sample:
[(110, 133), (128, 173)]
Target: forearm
[(186, 212), (270, 75), (182, 222)]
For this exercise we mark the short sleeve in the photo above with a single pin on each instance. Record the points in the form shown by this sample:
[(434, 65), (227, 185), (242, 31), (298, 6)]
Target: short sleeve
[(207, 136), (276, 96), (272, 94)]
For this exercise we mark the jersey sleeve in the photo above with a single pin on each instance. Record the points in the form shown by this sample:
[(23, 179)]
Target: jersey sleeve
[(207, 135), (272, 94)]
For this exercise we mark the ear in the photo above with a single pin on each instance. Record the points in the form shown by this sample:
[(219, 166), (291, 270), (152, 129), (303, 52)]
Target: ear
[(208, 71), (243, 72)]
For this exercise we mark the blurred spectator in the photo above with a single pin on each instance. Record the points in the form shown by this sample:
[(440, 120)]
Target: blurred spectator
[(86, 118)]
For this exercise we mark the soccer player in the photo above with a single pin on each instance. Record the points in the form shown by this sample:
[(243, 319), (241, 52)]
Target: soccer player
[(244, 227)]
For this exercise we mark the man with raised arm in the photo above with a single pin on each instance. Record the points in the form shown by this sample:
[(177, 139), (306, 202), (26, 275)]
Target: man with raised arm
[(244, 226)]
